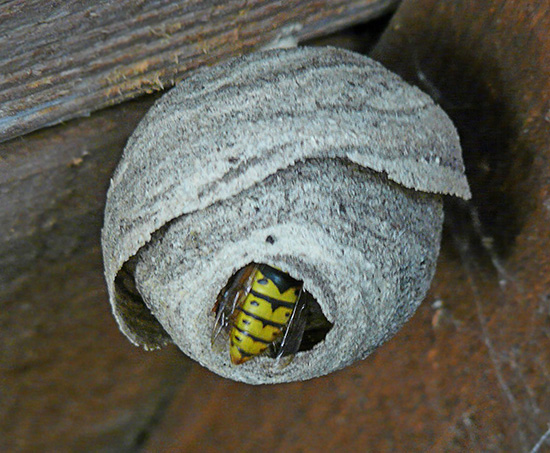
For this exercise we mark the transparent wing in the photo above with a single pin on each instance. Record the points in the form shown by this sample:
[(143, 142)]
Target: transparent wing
[(294, 332), (231, 296)]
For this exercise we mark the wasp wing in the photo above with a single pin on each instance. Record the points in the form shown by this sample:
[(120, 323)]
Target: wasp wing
[(292, 337), (231, 296)]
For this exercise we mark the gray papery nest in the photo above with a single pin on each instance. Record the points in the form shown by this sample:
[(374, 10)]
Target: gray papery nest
[(316, 160)]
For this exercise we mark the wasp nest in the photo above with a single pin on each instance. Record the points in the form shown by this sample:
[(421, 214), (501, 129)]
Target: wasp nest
[(317, 161)]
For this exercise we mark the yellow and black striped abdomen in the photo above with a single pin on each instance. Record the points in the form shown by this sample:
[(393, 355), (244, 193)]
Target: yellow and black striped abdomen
[(263, 315)]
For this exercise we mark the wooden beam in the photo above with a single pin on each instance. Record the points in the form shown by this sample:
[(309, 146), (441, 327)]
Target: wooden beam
[(62, 354), (66, 60)]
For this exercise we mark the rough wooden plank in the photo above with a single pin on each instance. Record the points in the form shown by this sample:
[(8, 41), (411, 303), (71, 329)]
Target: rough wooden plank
[(65, 60), (488, 66), (53, 185), (69, 381)]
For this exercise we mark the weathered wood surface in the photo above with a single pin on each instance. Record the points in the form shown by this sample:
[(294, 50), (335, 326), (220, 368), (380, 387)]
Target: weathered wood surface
[(67, 59), (69, 381)]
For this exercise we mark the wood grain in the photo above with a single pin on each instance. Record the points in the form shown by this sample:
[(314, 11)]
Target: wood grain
[(70, 381), (60, 60)]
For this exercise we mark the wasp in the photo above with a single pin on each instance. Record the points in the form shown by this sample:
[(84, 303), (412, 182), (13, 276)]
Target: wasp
[(262, 310)]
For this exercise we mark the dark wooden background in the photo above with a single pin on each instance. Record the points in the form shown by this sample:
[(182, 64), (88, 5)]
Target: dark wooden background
[(66, 59), (470, 372)]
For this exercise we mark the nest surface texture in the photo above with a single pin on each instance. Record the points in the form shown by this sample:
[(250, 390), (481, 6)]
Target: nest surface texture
[(318, 161)]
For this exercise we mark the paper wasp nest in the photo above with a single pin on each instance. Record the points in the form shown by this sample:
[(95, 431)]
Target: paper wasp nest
[(317, 161)]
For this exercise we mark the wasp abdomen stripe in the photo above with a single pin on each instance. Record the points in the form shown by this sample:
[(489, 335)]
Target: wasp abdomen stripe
[(275, 303), (243, 353), (265, 322), (253, 337)]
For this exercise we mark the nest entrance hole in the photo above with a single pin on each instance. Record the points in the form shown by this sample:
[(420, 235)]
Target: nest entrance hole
[(316, 327)]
